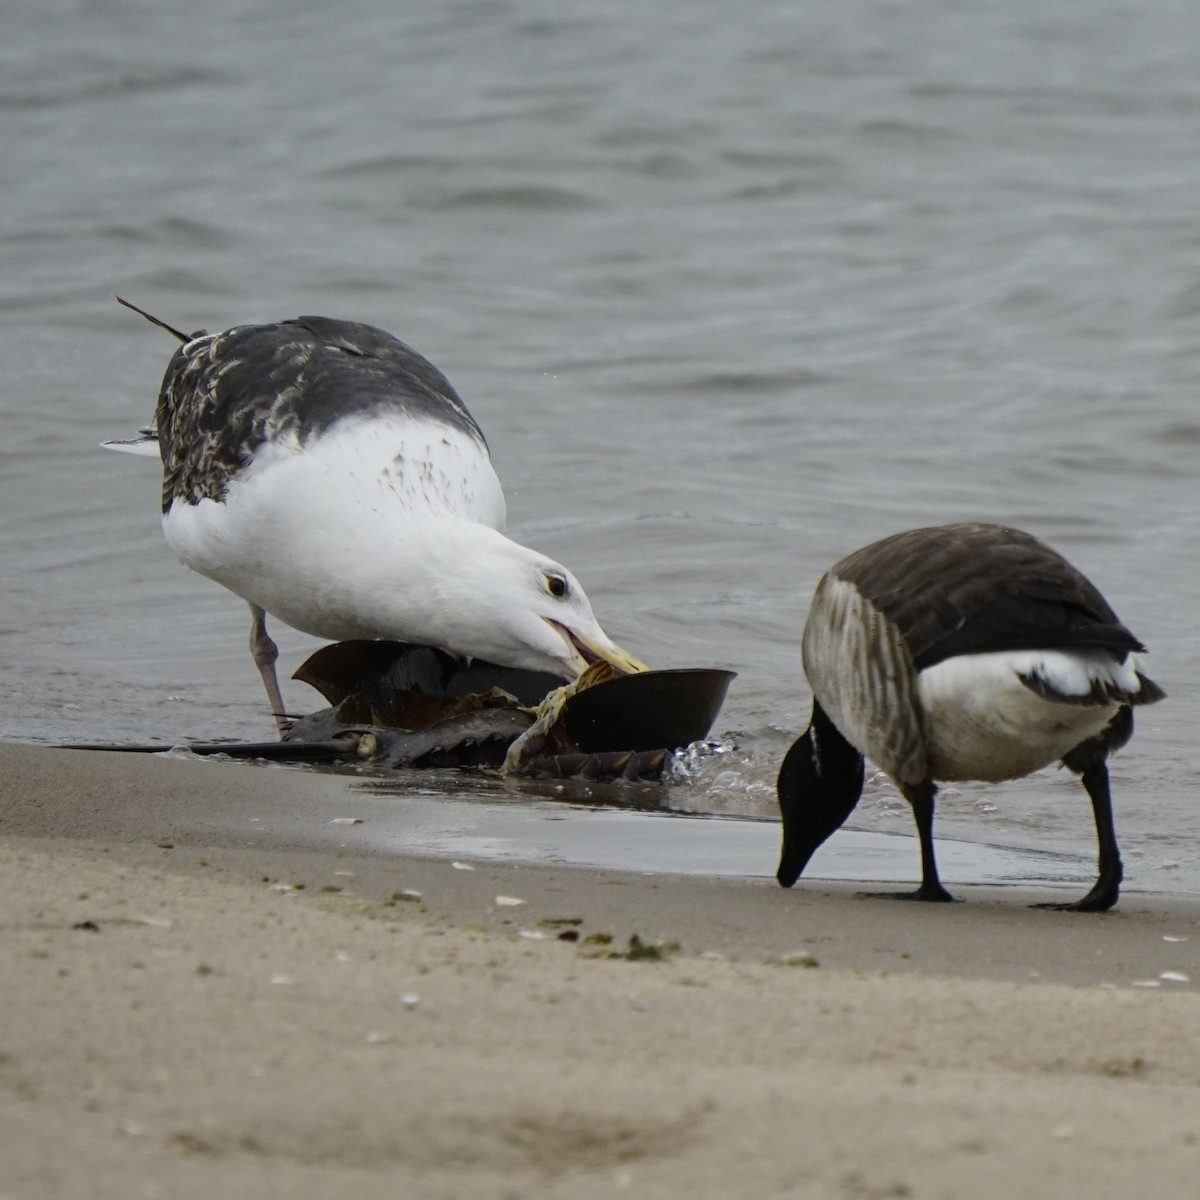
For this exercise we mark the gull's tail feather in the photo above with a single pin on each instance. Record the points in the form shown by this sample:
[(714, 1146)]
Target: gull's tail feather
[(183, 337), (145, 443)]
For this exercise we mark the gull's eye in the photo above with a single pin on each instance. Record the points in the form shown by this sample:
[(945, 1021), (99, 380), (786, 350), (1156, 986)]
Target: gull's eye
[(556, 584)]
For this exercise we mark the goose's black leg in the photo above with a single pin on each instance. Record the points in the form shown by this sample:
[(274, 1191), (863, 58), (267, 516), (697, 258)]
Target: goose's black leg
[(1108, 885), (921, 797)]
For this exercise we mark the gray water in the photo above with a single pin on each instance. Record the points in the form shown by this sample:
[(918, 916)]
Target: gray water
[(732, 288)]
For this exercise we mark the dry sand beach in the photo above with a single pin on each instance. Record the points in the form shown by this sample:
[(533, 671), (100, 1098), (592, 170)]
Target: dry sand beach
[(203, 1014)]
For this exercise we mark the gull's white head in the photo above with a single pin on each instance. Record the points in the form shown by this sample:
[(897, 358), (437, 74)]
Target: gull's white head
[(500, 601)]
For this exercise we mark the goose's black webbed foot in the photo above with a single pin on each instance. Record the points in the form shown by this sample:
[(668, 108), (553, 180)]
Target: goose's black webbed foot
[(934, 893), (1100, 899)]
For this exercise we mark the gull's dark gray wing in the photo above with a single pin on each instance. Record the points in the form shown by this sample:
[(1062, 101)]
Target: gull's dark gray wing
[(225, 394)]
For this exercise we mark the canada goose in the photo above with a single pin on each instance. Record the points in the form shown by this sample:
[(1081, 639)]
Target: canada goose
[(951, 653)]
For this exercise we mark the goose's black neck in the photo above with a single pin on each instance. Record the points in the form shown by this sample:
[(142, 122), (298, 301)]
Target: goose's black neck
[(820, 782)]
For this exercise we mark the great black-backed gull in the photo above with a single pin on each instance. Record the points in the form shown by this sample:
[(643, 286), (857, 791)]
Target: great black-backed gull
[(330, 475)]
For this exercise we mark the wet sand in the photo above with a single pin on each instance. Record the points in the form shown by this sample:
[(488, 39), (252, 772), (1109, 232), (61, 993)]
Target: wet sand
[(216, 985)]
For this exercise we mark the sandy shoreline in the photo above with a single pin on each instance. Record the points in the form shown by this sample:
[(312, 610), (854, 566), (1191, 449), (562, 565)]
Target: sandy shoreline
[(182, 1020)]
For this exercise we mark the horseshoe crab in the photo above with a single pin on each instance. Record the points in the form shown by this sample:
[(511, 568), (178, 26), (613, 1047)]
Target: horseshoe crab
[(421, 707)]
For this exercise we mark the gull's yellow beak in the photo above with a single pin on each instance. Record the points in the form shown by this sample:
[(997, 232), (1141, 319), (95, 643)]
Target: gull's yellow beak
[(620, 660), (590, 650)]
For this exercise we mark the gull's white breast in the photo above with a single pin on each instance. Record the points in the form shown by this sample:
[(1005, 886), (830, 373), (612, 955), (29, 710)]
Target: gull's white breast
[(311, 532)]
